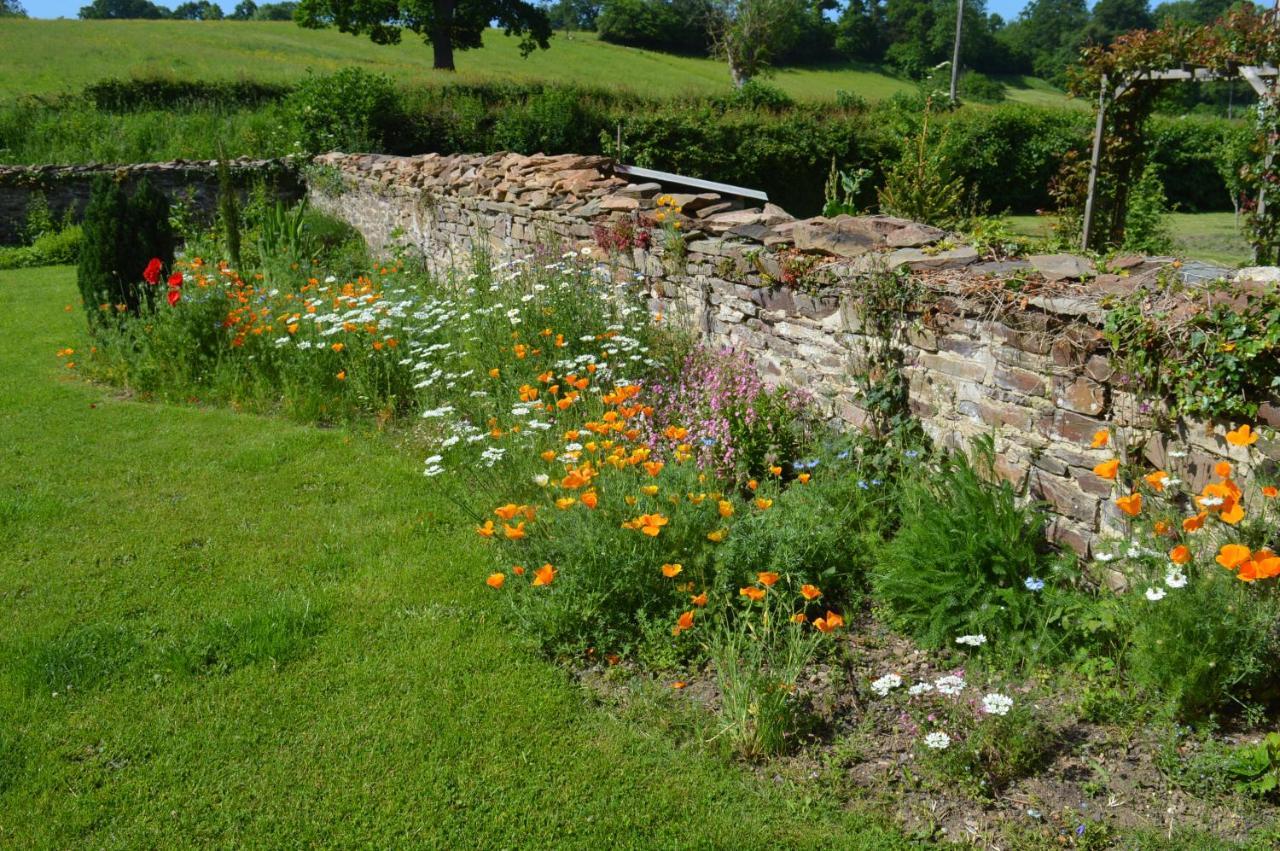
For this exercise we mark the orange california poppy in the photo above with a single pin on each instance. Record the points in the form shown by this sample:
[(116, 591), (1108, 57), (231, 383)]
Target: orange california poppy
[(1131, 504), (485, 531), (565, 502), (575, 480), (549, 455), (725, 508), (718, 535), (651, 524), (803, 478), (1222, 469), (810, 592), (1232, 512), (1161, 528), (672, 570), (829, 623), (653, 468), (753, 484), (518, 570), (700, 600), (1180, 554), (1157, 480), (544, 575), (508, 511), (1265, 564), (1191, 524), (590, 500), (1270, 492), (1232, 556), (676, 433), (1243, 436), (1261, 565), (1101, 438), (1107, 469), (685, 621), (514, 533), (775, 470), (767, 578), (752, 593), (799, 617), (495, 580), (763, 504)]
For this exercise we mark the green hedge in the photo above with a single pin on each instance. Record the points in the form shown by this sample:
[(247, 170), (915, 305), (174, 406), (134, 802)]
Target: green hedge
[(1007, 154), (139, 93)]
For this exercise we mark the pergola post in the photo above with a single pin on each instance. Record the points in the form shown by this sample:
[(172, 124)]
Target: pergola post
[(1087, 229), (1267, 93)]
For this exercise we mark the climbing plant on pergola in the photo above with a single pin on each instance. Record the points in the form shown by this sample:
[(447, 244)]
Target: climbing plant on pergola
[(1127, 78)]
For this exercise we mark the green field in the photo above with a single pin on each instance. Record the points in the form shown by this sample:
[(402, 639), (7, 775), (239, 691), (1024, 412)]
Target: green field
[(1211, 237), (50, 57), (228, 630)]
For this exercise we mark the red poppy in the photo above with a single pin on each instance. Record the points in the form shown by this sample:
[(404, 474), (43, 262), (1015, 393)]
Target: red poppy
[(175, 280), (174, 295), (152, 273)]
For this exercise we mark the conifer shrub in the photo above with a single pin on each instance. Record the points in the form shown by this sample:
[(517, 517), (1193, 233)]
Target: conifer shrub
[(121, 234)]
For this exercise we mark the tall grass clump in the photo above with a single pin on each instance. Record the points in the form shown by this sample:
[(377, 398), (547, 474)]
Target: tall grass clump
[(961, 559)]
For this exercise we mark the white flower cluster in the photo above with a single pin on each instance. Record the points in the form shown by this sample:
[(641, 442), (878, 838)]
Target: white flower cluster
[(997, 704), (886, 684), (972, 640), (937, 741)]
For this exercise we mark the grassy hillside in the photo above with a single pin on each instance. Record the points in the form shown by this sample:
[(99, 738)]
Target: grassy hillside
[(47, 57)]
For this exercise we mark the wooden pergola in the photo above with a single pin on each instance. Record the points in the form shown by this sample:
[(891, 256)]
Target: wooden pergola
[(1262, 78)]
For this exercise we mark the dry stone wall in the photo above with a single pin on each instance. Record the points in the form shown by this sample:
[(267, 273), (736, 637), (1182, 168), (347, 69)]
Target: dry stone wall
[(66, 187), (1027, 365)]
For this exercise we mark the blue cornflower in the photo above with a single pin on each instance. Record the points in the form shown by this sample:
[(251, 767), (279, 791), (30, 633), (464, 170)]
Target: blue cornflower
[(862, 484), (911, 453), (708, 441), (1033, 584), (844, 454)]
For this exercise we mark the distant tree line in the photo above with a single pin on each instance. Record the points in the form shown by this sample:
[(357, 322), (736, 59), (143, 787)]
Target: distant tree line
[(909, 36), (194, 10)]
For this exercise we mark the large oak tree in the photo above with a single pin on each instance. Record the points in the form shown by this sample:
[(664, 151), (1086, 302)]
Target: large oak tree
[(447, 25)]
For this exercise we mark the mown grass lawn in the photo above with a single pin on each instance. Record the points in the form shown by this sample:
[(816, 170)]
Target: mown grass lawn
[(1210, 237), (223, 629), (50, 57)]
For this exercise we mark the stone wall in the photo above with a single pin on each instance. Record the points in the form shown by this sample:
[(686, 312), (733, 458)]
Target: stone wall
[(67, 186), (1027, 365)]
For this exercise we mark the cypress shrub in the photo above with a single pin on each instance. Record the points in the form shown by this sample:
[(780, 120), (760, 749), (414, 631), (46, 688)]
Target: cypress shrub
[(121, 236)]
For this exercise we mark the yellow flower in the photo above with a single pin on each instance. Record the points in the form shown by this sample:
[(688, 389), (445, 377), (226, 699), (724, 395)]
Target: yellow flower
[(725, 508), (649, 490), (718, 535)]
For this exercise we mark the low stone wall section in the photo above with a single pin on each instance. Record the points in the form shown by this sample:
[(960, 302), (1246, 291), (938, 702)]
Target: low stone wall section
[(66, 187)]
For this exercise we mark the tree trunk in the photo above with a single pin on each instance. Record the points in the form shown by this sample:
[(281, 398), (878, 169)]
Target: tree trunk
[(442, 35), (737, 73)]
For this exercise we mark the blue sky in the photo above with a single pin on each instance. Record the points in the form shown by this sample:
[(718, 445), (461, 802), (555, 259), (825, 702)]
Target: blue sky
[(68, 8)]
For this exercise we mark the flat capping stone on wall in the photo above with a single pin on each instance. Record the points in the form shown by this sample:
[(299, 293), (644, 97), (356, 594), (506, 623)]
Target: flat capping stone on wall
[(1029, 366), (67, 186)]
